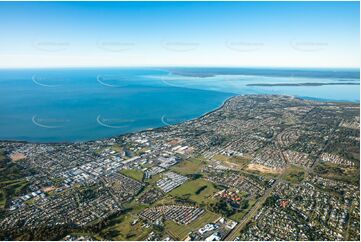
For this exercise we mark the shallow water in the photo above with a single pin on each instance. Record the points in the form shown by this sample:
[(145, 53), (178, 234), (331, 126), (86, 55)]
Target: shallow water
[(54, 105)]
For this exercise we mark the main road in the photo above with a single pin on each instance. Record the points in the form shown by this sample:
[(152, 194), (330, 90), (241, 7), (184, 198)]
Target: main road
[(233, 234)]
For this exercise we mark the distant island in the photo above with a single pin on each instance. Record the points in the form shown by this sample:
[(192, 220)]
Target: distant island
[(301, 84), (269, 72)]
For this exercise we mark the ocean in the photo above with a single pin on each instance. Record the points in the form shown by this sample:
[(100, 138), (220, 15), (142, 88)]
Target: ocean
[(81, 104)]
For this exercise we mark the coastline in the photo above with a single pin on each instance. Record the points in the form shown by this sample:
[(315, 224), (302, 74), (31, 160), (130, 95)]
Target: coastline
[(227, 100), (125, 134)]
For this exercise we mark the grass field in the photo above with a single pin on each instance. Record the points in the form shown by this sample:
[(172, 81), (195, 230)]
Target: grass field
[(294, 174), (11, 188), (16, 185), (199, 190), (117, 148), (166, 200), (335, 172), (124, 230), (2, 156), (261, 170), (232, 162), (234, 159), (180, 232), (187, 167), (135, 174), (154, 179), (238, 216), (130, 232), (121, 227), (2, 199), (81, 233)]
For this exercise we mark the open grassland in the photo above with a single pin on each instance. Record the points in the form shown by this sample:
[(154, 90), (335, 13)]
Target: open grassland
[(233, 162), (263, 170), (117, 148), (188, 167), (2, 199), (2, 156), (180, 232), (239, 215), (350, 175), (127, 231), (294, 174), (12, 182), (154, 179), (122, 229), (199, 190), (135, 174), (10, 189)]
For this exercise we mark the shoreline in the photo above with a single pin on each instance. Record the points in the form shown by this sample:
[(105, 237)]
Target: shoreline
[(164, 126), (128, 133)]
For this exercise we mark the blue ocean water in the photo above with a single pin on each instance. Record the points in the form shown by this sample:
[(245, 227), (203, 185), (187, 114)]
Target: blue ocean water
[(60, 105)]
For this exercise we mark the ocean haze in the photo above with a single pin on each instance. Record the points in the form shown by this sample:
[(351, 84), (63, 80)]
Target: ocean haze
[(80, 104)]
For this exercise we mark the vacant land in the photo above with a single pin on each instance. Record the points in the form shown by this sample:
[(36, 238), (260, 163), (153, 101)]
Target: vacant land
[(294, 174), (233, 162), (12, 182), (17, 156), (2, 156), (239, 215), (263, 169), (9, 189), (335, 172), (188, 167), (125, 228), (135, 174), (180, 232), (127, 225), (117, 148), (199, 190)]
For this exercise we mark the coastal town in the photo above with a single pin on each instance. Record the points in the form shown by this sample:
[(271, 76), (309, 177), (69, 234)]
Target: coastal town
[(261, 167)]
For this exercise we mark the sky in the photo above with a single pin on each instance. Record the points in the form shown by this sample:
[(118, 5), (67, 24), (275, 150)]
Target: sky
[(244, 34)]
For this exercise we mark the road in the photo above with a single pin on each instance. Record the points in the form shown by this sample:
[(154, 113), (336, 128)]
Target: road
[(233, 234), (251, 213)]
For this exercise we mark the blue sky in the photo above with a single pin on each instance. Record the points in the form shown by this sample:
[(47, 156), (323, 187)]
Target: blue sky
[(272, 34)]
